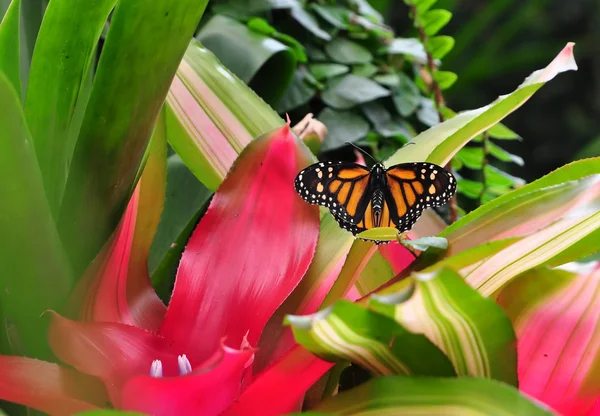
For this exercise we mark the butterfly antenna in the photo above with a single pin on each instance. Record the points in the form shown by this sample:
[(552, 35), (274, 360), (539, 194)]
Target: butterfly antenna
[(364, 152)]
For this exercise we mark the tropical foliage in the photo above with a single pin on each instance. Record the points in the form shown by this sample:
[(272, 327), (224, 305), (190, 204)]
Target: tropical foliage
[(156, 258)]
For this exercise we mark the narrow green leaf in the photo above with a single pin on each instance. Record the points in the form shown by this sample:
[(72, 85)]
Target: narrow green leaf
[(439, 46), (501, 154), (34, 270), (434, 20), (10, 43), (470, 329), (495, 176), (60, 63), (347, 331), (501, 132), (380, 233), (445, 79), (343, 126), (424, 243), (469, 188), (376, 273), (439, 144), (471, 157), (432, 396), (423, 5), (309, 22), (345, 51), (143, 48), (326, 71)]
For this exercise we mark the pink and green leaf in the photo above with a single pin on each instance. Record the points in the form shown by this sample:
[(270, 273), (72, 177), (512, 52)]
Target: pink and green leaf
[(249, 251), (350, 332), (415, 396), (471, 330), (556, 315), (439, 143), (48, 387)]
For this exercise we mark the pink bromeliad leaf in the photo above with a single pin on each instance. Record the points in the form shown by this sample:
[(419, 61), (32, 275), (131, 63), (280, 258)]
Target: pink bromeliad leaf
[(117, 286), (48, 387), (249, 251), (556, 315)]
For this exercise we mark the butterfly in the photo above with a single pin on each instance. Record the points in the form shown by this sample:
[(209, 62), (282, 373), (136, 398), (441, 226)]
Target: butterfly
[(361, 199)]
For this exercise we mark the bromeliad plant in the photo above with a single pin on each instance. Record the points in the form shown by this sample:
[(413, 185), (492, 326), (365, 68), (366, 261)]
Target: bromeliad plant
[(457, 328)]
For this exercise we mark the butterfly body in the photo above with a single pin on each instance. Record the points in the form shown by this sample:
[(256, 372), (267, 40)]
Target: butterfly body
[(362, 199)]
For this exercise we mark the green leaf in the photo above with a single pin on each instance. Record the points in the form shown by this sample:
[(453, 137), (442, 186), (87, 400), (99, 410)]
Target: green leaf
[(434, 20), (212, 115), (264, 63), (334, 15), (380, 234), (347, 331), (423, 6), (10, 45), (298, 93), (495, 176), (351, 90), (366, 70), (445, 79), (342, 126), (439, 46), (469, 188), (382, 119), (345, 51), (326, 71), (424, 243), (60, 64), (470, 329), (389, 80), (34, 270), (144, 46), (428, 113), (432, 396), (471, 157), (406, 97), (439, 144), (260, 25), (185, 200), (501, 132), (501, 154), (309, 23), (411, 47)]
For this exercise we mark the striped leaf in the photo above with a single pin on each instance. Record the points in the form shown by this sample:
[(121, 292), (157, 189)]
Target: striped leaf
[(417, 396), (556, 315), (347, 331), (471, 330)]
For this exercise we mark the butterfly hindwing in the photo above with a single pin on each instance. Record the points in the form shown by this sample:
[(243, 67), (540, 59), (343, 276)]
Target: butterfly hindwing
[(341, 187)]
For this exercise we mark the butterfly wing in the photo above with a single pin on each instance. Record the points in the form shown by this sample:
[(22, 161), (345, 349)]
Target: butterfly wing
[(344, 188), (412, 187)]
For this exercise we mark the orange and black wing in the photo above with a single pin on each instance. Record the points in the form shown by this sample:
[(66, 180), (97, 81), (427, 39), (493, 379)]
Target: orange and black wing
[(344, 188), (412, 187)]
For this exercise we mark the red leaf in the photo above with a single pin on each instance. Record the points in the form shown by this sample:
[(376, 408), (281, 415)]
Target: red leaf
[(398, 256), (249, 251), (48, 387), (557, 321), (112, 352), (278, 389), (208, 391)]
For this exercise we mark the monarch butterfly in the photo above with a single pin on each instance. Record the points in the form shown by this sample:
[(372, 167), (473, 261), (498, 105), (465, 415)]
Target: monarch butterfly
[(361, 199)]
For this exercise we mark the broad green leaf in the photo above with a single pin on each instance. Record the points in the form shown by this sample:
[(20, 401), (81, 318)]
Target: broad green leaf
[(309, 22), (365, 8), (471, 157), (60, 64), (424, 243), (326, 71), (366, 70), (555, 314), (10, 45), (440, 143), (185, 200), (334, 15), (501, 154), (428, 113), (471, 330), (298, 93), (212, 115), (342, 126), (439, 46), (417, 396), (376, 273), (380, 233), (434, 20), (445, 79), (469, 188), (382, 120), (388, 80), (345, 51), (351, 90), (264, 63), (347, 331), (501, 132), (495, 176), (406, 97), (410, 46), (142, 51), (34, 269)]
